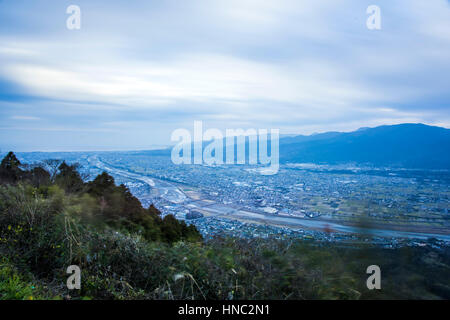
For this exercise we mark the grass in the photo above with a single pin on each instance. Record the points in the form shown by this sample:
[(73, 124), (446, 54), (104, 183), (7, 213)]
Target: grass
[(45, 229)]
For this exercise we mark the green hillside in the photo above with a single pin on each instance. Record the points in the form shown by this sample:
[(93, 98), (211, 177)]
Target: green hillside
[(50, 219)]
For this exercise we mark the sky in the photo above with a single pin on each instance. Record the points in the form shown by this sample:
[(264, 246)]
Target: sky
[(137, 70)]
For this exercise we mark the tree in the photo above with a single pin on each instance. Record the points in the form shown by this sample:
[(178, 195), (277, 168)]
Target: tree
[(101, 185), (153, 211), (171, 229), (39, 176), (10, 171), (52, 165), (69, 178)]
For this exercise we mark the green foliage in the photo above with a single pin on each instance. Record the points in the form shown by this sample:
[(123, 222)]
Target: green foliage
[(16, 286), (98, 202), (121, 210), (10, 171), (38, 177), (128, 252), (69, 178), (12, 287)]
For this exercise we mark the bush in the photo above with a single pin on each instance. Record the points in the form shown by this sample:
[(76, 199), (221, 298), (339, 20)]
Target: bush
[(128, 252)]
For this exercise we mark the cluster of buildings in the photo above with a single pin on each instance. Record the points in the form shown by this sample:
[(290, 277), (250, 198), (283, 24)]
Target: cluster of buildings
[(334, 193)]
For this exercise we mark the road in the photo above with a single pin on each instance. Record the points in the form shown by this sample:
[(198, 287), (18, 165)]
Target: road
[(174, 194)]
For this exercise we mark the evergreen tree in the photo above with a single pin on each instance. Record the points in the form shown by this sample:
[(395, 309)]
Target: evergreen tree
[(10, 171), (69, 178), (38, 176)]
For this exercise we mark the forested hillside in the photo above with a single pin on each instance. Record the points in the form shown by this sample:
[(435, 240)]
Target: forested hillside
[(406, 145)]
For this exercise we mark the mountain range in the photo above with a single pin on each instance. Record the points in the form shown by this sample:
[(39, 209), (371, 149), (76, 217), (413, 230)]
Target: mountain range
[(408, 145), (403, 145)]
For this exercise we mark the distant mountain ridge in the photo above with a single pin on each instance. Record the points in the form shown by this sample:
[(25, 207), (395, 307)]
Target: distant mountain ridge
[(409, 145), (404, 145)]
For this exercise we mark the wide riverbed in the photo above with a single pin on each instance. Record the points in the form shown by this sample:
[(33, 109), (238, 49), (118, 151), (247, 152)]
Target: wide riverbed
[(174, 194)]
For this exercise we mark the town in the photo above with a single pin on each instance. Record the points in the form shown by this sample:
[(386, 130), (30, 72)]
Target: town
[(312, 202)]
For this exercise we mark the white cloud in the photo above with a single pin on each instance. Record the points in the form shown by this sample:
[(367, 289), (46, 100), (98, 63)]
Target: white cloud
[(311, 65), (26, 118), (199, 78)]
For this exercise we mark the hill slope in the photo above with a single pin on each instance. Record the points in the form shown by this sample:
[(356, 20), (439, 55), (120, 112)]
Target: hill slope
[(405, 145)]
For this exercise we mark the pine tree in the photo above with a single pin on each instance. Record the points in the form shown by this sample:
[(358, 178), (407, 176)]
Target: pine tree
[(10, 171)]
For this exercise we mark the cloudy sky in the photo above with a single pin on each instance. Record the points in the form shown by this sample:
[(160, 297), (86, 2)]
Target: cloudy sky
[(137, 70)]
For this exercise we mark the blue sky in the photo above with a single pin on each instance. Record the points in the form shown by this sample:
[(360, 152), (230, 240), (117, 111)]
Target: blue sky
[(137, 70)]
